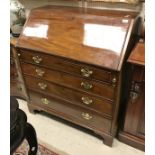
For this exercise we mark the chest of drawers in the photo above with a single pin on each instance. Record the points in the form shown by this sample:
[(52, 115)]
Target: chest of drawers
[(72, 63)]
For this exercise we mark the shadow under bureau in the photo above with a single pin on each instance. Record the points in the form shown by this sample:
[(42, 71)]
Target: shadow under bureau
[(72, 62)]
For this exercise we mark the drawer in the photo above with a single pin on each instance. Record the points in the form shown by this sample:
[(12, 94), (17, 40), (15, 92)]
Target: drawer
[(70, 112), (83, 99), (65, 65), (104, 90)]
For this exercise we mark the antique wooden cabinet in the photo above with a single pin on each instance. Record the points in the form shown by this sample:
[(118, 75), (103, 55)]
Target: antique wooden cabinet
[(133, 131), (72, 62)]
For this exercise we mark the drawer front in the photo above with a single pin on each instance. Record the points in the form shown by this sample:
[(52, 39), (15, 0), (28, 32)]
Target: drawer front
[(76, 97), (61, 64), (104, 90), (70, 112)]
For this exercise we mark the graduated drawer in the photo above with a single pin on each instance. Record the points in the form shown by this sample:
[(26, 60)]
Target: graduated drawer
[(70, 112), (65, 65), (105, 90), (75, 97)]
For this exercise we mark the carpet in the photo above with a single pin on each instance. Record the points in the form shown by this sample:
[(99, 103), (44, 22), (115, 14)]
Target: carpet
[(42, 150)]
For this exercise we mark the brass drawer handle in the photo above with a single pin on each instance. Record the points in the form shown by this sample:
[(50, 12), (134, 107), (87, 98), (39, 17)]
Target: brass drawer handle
[(86, 85), (45, 101), (37, 59), (86, 116), (86, 72), (40, 72), (86, 100), (42, 85)]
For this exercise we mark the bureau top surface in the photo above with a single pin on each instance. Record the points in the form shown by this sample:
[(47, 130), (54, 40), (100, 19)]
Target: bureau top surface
[(91, 36)]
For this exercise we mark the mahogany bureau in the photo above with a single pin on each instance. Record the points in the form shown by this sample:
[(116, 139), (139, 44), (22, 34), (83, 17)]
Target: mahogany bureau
[(72, 61)]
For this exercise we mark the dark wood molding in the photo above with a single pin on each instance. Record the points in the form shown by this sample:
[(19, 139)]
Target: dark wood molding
[(131, 140)]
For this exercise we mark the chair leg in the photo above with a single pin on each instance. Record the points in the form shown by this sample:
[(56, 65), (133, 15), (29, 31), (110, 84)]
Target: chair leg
[(31, 138)]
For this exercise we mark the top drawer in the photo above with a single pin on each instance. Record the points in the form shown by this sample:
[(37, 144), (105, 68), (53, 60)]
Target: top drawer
[(64, 65)]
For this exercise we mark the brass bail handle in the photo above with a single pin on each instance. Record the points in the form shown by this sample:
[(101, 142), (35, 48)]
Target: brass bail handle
[(45, 101), (86, 116), (86, 72), (86, 100), (42, 85), (86, 85), (37, 59), (40, 72)]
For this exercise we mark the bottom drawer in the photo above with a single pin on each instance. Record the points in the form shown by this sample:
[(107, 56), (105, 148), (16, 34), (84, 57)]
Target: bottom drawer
[(70, 112)]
